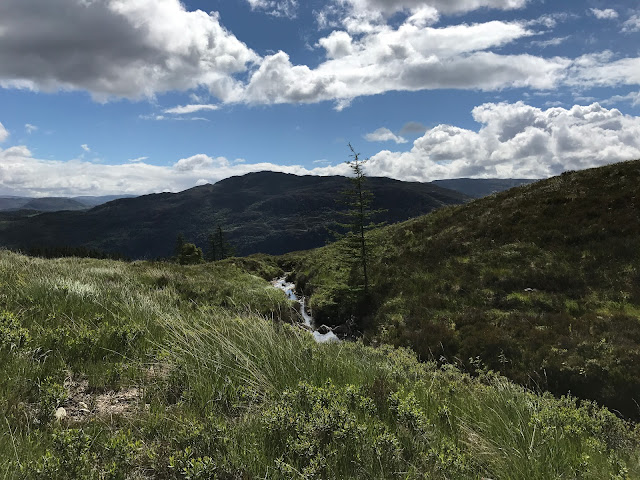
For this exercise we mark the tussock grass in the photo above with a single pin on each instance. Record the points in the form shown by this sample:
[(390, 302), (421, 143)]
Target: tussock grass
[(228, 389)]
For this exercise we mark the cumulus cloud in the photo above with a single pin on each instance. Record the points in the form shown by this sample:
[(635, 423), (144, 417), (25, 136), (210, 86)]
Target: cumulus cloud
[(120, 48), (408, 58), (186, 109), (277, 8), (23, 174), (200, 161), (117, 48), (4, 134), (605, 14), (85, 147), (632, 25), (137, 49), (514, 141), (30, 128), (384, 135), (517, 140)]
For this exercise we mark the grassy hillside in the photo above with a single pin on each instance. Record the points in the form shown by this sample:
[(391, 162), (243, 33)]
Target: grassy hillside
[(260, 212), (481, 187), (541, 283), (178, 372)]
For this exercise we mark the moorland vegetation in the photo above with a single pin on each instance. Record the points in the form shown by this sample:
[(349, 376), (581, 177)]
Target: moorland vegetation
[(541, 283), (135, 370), (157, 370)]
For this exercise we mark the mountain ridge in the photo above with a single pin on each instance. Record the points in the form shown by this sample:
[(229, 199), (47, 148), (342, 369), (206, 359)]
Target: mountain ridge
[(266, 212)]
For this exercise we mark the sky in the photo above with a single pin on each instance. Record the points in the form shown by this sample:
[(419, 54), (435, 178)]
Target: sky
[(105, 97)]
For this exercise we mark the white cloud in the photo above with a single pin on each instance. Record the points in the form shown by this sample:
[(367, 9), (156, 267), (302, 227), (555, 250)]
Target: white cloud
[(200, 161), (517, 140), (605, 14), (599, 69), (118, 48), (160, 118), (551, 20), (408, 58), (384, 135), (632, 25), (4, 134), (552, 42), (85, 147), (185, 109), (445, 6), (22, 174), (633, 98), (277, 8), (137, 49), (139, 159), (30, 128)]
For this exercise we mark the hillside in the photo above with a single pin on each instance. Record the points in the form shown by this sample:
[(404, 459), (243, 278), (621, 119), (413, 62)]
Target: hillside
[(260, 212), (112, 370), (481, 187), (54, 204), (541, 283)]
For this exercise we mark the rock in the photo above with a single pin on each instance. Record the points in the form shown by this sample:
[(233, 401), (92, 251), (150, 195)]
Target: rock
[(61, 414), (342, 329), (323, 330)]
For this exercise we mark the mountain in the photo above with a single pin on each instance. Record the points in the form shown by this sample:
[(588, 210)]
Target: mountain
[(265, 212), (12, 203), (481, 187), (90, 201), (541, 283), (54, 204)]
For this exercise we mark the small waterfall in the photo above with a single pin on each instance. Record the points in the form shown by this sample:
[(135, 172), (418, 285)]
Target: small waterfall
[(289, 289)]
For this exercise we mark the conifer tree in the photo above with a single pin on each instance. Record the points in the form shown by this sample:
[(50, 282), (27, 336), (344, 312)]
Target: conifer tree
[(358, 220), (180, 241), (219, 248)]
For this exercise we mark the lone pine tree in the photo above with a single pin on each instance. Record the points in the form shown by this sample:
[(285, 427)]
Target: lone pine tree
[(358, 220)]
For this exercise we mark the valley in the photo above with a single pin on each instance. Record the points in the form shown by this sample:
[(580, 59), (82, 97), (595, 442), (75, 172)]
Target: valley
[(498, 339)]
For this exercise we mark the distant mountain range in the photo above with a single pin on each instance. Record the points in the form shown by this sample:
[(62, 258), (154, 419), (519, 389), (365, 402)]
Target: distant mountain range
[(54, 204), (264, 212)]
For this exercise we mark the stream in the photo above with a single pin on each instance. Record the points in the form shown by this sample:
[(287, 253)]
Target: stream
[(289, 289)]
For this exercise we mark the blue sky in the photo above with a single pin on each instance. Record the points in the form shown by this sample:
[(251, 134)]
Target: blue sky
[(136, 96)]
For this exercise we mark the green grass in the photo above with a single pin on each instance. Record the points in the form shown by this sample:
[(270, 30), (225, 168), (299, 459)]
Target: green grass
[(214, 382), (541, 282)]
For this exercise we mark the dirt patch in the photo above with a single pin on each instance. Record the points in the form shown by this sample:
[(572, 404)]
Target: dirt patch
[(84, 403)]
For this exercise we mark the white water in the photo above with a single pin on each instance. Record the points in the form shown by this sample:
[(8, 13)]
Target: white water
[(289, 289)]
